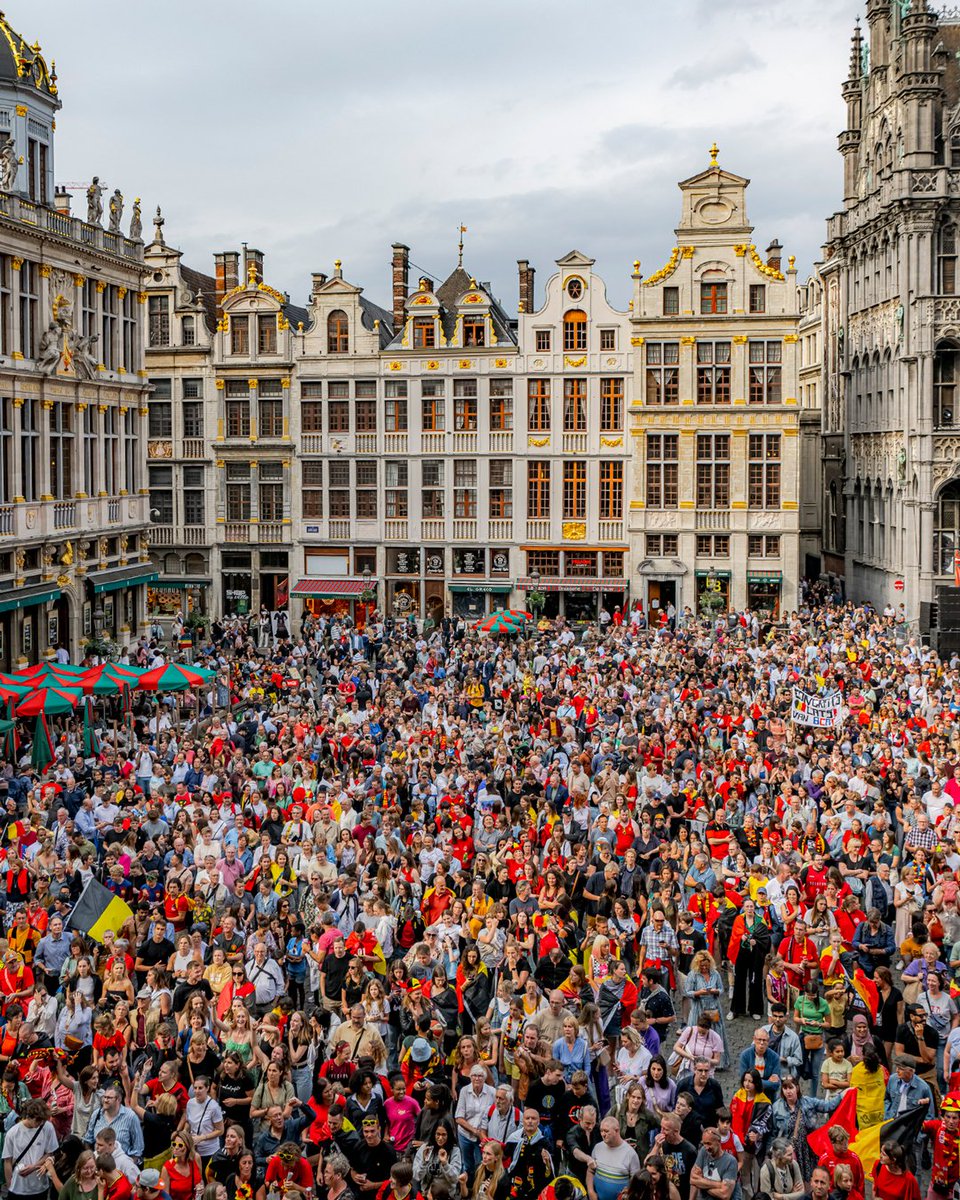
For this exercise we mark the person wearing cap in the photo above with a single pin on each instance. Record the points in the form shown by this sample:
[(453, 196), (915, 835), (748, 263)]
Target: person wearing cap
[(906, 1089), (149, 1187)]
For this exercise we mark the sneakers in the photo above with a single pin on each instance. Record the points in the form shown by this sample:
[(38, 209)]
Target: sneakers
[(731, 1017)]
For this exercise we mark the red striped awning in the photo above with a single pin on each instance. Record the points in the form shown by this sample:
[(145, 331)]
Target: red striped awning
[(328, 588)]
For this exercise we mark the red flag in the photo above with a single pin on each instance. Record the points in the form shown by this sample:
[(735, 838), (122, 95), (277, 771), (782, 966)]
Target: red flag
[(956, 567), (845, 1115), (868, 991)]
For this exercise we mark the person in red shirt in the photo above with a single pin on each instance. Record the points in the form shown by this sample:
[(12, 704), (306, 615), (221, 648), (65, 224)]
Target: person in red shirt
[(840, 1152), (891, 1179), (288, 1168), (167, 1083), (814, 878), (176, 906), (799, 954), (944, 1136)]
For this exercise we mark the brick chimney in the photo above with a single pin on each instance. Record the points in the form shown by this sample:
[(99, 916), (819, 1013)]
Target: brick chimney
[(252, 258), (774, 251), (526, 273), (225, 269), (401, 273), (61, 201)]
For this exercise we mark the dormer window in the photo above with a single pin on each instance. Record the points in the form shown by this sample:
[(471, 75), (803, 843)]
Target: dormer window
[(188, 330), (575, 330), (239, 335), (474, 331), (267, 334), (158, 321), (338, 332), (424, 333)]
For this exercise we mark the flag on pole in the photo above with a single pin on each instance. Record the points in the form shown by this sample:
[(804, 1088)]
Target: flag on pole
[(98, 910)]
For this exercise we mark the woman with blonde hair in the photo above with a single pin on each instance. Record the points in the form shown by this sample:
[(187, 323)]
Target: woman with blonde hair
[(599, 962), (181, 1173), (490, 1181)]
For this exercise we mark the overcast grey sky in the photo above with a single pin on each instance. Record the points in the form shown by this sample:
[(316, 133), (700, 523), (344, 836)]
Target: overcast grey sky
[(317, 130)]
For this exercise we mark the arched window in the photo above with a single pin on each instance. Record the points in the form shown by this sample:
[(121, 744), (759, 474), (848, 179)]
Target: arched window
[(194, 564), (947, 260), (338, 332), (946, 370), (946, 535), (575, 330)]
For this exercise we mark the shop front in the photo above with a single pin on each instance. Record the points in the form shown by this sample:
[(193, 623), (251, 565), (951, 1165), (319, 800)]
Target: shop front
[(576, 583), (330, 597), (661, 585), (471, 601), (764, 590), (119, 594), (712, 584), (25, 626), (481, 581)]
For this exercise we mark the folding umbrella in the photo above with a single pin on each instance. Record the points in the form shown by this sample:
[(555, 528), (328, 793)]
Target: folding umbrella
[(41, 752)]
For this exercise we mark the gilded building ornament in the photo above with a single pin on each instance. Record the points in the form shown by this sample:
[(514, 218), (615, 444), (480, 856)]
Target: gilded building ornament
[(220, 385), (791, 337), (45, 270), (79, 280), (465, 364), (285, 381), (575, 362), (637, 341), (121, 292), (532, 441), (101, 285), (669, 266), (16, 263), (21, 110), (141, 297), (252, 385), (396, 365), (688, 341), (500, 362), (433, 365), (740, 249), (762, 267), (574, 531), (611, 442), (740, 339)]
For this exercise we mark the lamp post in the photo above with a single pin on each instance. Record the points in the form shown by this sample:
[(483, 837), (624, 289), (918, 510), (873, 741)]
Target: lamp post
[(535, 593), (368, 595)]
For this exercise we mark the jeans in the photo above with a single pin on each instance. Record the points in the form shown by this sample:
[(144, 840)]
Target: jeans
[(810, 1068), (469, 1155)]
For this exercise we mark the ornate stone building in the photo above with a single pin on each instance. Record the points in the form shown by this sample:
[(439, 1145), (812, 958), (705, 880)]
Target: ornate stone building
[(715, 415), (73, 513), (892, 313)]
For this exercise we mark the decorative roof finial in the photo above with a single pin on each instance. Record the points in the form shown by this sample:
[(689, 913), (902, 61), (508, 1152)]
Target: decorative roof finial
[(252, 274), (714, 151), (462, 231), (158, 226)]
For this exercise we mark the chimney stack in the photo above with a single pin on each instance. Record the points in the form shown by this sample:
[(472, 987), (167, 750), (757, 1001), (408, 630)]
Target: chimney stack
[(226, 266), (252, 258), (61, 201), (401, 272), (774, 251), (526, 273)]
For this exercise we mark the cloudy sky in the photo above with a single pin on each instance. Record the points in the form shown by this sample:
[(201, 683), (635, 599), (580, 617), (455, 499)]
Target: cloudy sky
[(317, 130)]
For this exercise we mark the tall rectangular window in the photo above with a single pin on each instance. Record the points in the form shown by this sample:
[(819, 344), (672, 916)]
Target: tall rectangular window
[(311, 480), (365, 416), (575, 330), (267, 334), (366, 475), (238, 491), (61, 451), (424, 333), (270, 496), (395, 481), (671, 301), (542, 341), (194, 508), (662, 379), (465, 487), (713, 470), (662, 470), (238, 416), (7, 485), (608, 339), (269, 417), (339, 494), (29, 309), (538, 489), (763, 470), (538, 405), (465, 405), (29, 450), (6, 307), (501, 487), (129, 342), (574, 405), (758, 297), (158, 320), (432, 478), (111, 447), (239, 335), (110, 327), (501, 404), (574, 489), (611, 491), (91, 457), (161, 495), (311, 416), (432, 406), (131, 450), (611, 405), (338, 416), (713, 297), (88, 308), (160, 410), (713, 372), (395, 407), (474, 331), (764, 380)]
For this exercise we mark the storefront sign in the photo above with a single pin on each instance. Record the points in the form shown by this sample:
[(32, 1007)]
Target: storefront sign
[(499, 562), (404, 562), (434, 562), (470, 562), (313, 528)]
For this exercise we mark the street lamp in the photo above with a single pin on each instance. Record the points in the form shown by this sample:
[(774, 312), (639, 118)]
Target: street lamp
[(534, 595), (98, 617)]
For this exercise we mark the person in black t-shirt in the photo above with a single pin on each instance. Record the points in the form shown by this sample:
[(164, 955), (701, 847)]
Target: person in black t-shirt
[(678, 1154), (548, 1096), (915, 1036), (155, 951), (376, 1160), (194, 982)]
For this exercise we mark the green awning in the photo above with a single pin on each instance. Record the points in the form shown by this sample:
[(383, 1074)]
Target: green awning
[(177, 585), (764, 577), (500, 589), (719, 574), (121, 577), (27, 597)]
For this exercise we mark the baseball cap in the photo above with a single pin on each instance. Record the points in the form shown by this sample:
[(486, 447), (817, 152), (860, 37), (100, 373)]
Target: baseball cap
[(149, 1179)]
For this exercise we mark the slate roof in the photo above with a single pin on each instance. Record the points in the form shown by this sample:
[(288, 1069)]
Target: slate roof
[(204, 286)]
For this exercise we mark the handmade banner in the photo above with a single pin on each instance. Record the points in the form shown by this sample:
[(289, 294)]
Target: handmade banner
[(811, 709)]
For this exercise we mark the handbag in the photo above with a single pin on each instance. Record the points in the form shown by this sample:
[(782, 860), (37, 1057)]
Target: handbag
[(813, 1041)]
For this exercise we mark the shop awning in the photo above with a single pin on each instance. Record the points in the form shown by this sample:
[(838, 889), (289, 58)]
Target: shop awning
[(326, 589), (500, 589), (121, 577), (764, 576), (568, 583), (177, 585), (719, 574), (26, 597)]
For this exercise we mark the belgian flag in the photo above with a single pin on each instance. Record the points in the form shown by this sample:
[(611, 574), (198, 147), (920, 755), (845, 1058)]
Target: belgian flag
[(865, 1143), (97, 910)]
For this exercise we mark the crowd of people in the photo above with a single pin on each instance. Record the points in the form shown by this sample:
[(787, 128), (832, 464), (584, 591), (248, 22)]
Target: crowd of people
[(426, 913)]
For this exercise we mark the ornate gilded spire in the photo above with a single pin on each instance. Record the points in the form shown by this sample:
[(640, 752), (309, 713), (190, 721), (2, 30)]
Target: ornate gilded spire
[(714, 151)]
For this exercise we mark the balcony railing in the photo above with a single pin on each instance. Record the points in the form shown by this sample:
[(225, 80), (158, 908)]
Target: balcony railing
[(464, 443), (501, 529), (6, 520), (236, 531), (501, 441), (113, 510), (194, 535), (574, 443), (433, 529), (160, 535), (193, 448), (433, 442), (339, 529), (611, 531), (311, 443), (367, 443), (272, 531), (397, 529), (464, 529), (538, 530), (68, 227), (715, 518), (395, 443), (64, 514)]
